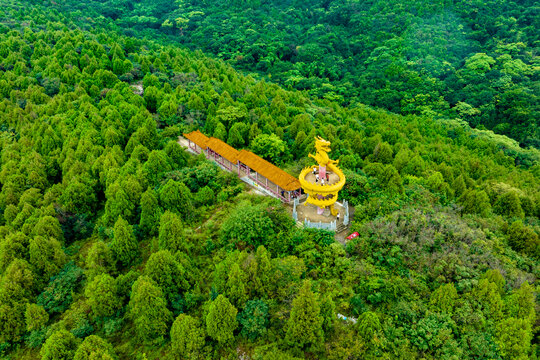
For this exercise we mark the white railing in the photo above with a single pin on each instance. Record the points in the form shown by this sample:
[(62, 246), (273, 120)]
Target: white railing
[(294, 212), (331, 226), (346, 217)]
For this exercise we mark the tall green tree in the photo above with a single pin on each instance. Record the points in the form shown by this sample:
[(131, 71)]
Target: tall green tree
[(150, 212), (187, 337), (102, 296), (61, 345), (124, 245), (176, 197), (94, 347), (171, 233), (167, 273), (148, 310), (304, 327), (221, 320)]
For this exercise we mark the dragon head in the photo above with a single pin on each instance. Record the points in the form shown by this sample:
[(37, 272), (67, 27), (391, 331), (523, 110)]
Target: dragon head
[(321, 144)]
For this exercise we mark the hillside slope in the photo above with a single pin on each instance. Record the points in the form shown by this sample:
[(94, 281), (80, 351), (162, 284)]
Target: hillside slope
[(476, 60), (115, 243)]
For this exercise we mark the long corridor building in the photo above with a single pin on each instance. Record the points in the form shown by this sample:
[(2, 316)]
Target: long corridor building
[(261, 172)]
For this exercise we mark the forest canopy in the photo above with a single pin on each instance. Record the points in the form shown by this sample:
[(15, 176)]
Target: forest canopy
[(116, 243), (472, 60)]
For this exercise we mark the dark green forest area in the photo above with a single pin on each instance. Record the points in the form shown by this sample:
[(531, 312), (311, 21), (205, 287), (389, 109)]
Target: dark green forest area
[(473, 60), (117, 244)]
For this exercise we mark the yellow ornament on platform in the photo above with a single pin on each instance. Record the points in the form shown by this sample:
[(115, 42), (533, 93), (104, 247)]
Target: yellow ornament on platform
[(321, 185)]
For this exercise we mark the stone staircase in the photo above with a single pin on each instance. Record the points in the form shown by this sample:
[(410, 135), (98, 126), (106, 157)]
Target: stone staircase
[(340, 227)]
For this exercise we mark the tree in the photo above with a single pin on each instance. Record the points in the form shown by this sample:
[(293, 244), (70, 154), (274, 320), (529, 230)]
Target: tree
[(248, 224), (254, 319), (12, 324), (513, 337), (494, 276), (167, 273), (124, 245), (521, 304), (148, 310), (523, 238), (58, 294), (383, 153), (486, 294), (444, 298), (46, 255), (99, 259), (220, 132), (150, 212), (158, 162), (509, 204), (235, 287), (328, 313), (304, 327), (171, 233), (459, 186), (94, 348), (475, 202), (187, 337), (176, 197), (270, 147), (101, 294), (177, 155), (61, 345), (36, 317), (205, 196), (368, 326), (237, 135), (221, 320)]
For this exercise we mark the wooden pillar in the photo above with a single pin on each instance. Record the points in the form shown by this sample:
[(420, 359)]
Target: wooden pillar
[(289, 196)]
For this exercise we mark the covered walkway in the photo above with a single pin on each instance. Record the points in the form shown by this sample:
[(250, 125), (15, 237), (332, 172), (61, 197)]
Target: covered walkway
[(247, 164)]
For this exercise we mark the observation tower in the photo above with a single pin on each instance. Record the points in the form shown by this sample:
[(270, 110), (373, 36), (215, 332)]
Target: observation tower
[(322, 182)]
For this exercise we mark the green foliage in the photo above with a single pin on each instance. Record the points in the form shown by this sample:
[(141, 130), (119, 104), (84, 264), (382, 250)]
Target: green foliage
[(101, 294), (80, 149), (221, 320), (304, 327), (167, 273), (513, 338), (368, 326), (523, 238), (36, 317), (269, 147), (509, 204), (58, 294), (444, 298), (148, 310), (176, 197), (94, 347), (99, 259), (46, 256), (254, 319), (187, 337), (171, 233), (476, 202), (247, 224), (61, 345), (124, 245)]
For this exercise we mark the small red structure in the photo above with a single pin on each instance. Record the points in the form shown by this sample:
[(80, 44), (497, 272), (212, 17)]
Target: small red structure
[(352, 236)]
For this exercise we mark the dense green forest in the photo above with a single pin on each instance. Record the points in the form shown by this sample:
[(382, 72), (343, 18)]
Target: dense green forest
[(474, 60), (117, 244)]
